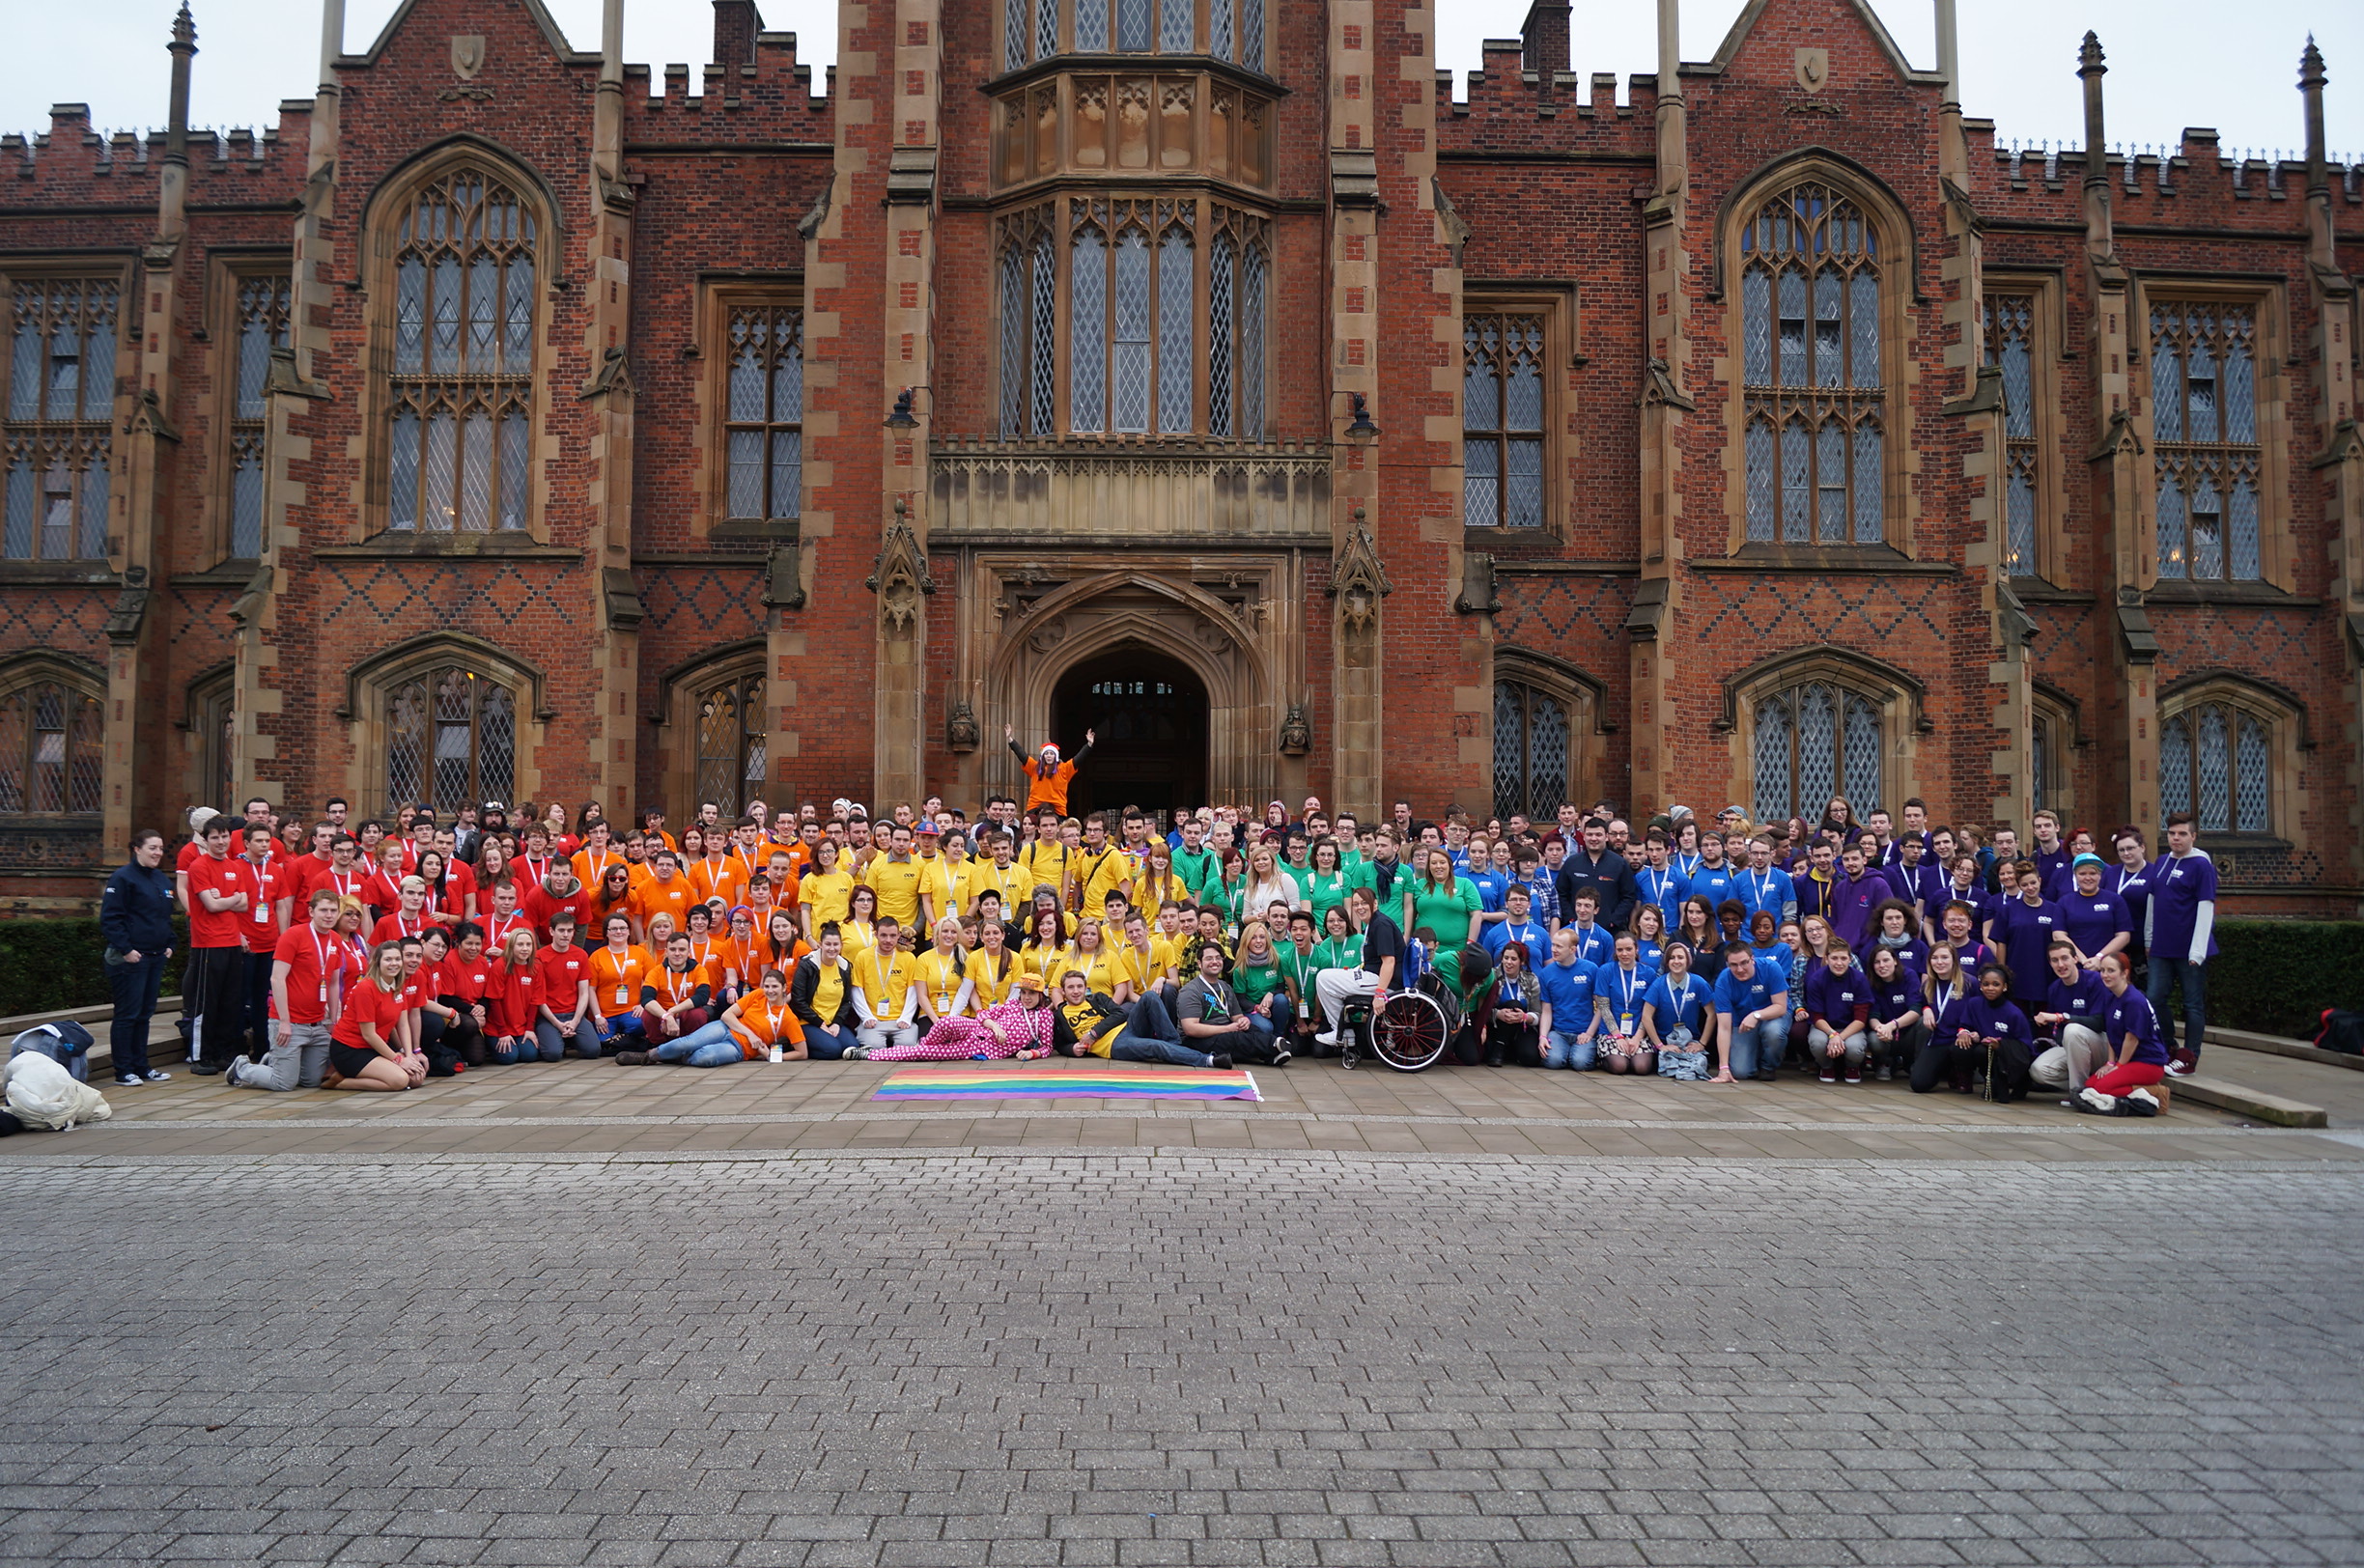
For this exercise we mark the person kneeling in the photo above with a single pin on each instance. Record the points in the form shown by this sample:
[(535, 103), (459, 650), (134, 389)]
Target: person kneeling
[(2140, 1060)]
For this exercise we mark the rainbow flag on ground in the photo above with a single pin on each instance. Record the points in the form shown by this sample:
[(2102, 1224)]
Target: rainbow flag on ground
[(1023, 1081)]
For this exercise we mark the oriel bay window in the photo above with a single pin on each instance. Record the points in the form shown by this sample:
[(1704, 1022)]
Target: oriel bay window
[(59, 419), (1813, 443), (462, 390), (1139, 275)]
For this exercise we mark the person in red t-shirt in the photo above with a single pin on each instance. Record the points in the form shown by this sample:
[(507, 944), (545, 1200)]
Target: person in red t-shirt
[(512, 1000), (258, 928), (565, 1018), (213, 988), (383, 892), (364, 1045), (408, 918), (501, 915), (307, 976), (468, 974)]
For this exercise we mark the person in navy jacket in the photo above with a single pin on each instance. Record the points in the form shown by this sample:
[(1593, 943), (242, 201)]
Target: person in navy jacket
[(2179, 934), (2071, 1022), (135, 920), (2023, 928), (2138, 1048), (1989, 1022)]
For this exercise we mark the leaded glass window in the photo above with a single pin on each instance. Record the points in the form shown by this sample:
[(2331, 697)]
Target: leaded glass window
[(56, 442), (730, 742), (1813, 741), (1531, 765), (2204, 440), (2010, 347), (1240, 265), (459, 448), (1029, 323), (451, 741), (51, 745), (764, 412), (1218, 29), (2216, 762), (1502, 419), (1810, 333), (262, 327)]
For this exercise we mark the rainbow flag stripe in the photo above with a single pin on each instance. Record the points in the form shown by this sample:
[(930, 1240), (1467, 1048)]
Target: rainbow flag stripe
[(1026, 1082)]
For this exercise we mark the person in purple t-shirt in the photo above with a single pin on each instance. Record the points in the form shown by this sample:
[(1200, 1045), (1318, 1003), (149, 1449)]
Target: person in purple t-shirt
[(2023, 929), (1854, 896), (2181, 937), (1839, 1016)]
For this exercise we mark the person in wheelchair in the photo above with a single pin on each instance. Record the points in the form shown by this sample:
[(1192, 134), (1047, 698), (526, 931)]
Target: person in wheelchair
[(1382, 956)]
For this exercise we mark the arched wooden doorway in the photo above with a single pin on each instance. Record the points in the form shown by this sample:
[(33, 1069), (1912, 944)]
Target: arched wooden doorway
[(1149, 712)]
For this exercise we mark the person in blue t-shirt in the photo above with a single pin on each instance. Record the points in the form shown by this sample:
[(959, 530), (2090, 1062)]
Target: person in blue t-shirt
[(2071, 1021), (2129, 882), (1517, 926), (1622, 986), (1659, 880), (1764, 887), (1594, 944), (1674, 1014), (1571, 1018), (2179, 934), (1751, 1006), (1716, 878), (2138, 1047)]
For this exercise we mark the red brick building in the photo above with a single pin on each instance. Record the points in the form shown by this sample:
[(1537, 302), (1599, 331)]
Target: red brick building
[(506, 423)]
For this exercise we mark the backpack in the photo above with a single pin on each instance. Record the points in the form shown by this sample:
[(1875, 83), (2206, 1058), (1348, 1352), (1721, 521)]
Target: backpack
[(2342, 1032)]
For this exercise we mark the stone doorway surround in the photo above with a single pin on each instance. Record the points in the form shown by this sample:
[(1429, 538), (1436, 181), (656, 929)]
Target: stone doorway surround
[(1022, 619)]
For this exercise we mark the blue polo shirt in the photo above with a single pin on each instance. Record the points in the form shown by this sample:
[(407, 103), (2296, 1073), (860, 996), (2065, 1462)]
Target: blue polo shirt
[(1739, 997), (1568, 989)]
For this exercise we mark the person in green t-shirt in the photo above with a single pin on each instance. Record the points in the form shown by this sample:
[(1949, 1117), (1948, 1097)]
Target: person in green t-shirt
[(1323, 884), (1381, 872), (1257, 975), (1194, 862), (1442, 901), (1342, 946)]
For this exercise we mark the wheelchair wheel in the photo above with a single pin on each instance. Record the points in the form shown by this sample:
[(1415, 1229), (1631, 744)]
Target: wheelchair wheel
[(1410, 1033)]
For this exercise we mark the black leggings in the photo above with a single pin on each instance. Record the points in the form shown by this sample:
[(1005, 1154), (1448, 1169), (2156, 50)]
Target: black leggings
[(1938, 1064)]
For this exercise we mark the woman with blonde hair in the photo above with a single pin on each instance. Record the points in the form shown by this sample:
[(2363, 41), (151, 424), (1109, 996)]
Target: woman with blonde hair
[(365, 1046)]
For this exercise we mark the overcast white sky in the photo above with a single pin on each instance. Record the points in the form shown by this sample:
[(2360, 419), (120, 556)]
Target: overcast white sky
[(2173, 62)]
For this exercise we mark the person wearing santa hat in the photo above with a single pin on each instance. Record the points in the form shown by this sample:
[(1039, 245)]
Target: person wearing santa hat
[(1047, 776)]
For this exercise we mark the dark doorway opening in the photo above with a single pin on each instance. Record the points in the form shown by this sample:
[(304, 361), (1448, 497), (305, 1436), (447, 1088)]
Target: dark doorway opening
[(1150, 713)]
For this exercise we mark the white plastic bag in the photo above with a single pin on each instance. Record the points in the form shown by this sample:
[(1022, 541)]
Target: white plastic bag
[(43, 1094)]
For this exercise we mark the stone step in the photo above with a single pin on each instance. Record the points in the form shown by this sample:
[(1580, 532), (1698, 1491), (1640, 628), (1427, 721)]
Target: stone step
[(2254, 1103), (2276, 1045)]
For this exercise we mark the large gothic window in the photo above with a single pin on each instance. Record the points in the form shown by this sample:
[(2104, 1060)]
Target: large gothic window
[(2204, 440), (451, 739), (262, 302), (764, 427), (2216, 762), (1502, 419), (730, 742), (1134, 302), (1810, 325), (1813, 741), (2010, 347), (61, 410), (1531, 751), (1030, 29), (459, 447), (52, 742)]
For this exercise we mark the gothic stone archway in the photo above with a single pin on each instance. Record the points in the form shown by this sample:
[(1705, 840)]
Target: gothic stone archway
[(1149, 711), (1026, 623)]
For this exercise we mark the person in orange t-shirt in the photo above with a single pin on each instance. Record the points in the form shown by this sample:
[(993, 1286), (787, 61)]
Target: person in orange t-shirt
[(665, 892), (618, 972)]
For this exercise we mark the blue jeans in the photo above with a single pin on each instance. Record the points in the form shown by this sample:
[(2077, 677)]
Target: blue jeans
[(2168, 975), (1151, 1035), (1280, 1027), (1757, 1051), (585, 1039), (714, 1046), (825, 1043), (629, 1024), (1565, 1049)]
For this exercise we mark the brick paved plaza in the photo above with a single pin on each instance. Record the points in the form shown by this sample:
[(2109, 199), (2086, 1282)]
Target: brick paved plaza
[(585, 1315)]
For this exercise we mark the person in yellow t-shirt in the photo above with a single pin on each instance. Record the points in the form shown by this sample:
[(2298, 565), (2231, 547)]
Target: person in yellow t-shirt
[(898, 879), (993, 969), (1101, 866), (996, 866), (1144, 964), (942, 971), (885, 993), (857, 931), (1103, 966), (1045, 859), (956, 885), (1046, 944), (826, 892)]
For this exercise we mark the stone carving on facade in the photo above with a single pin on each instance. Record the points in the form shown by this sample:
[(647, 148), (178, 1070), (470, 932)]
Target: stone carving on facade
[(1357, 579), (900, 579), (1296, 732), (961, 732)]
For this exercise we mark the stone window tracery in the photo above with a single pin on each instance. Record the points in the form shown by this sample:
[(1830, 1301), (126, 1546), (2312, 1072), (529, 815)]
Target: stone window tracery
[(57, 435), (2205, 443)]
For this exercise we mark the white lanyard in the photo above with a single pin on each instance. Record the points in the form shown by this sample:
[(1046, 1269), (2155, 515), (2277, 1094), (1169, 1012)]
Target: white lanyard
[(1765, 888), (320, 962)]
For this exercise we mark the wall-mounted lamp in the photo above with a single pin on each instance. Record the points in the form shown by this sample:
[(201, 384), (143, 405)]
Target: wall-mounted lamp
[(900, 418)]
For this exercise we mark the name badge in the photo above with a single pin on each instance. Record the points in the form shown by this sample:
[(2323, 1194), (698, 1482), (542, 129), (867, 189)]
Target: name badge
[(623, 996)]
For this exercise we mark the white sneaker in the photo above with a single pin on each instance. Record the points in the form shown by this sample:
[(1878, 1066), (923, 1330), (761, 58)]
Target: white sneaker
[(2093, 1102), (1329, 1039)]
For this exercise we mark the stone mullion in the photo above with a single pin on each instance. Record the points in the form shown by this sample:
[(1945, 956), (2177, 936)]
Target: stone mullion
[(1357, 741)]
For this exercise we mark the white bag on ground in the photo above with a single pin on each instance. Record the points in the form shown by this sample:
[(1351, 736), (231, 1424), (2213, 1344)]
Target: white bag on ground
[(43, 1094)]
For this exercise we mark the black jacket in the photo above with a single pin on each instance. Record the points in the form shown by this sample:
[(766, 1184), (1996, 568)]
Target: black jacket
[(806, 980), (135, 912), (1610, 880)]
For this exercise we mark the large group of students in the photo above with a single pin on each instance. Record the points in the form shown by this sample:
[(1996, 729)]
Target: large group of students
[(372, 955)]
